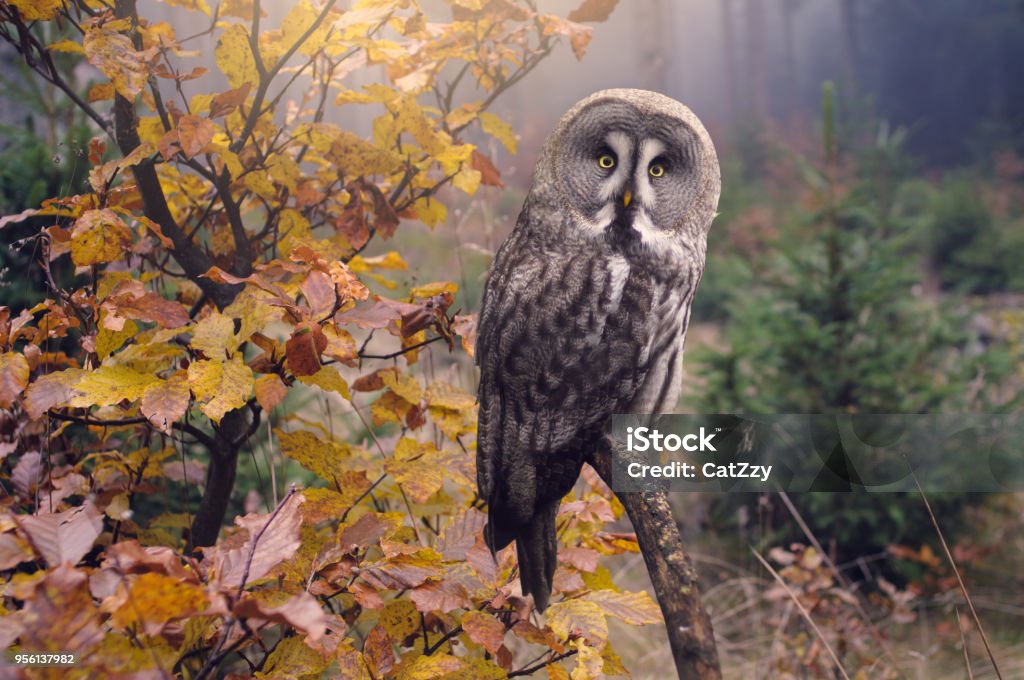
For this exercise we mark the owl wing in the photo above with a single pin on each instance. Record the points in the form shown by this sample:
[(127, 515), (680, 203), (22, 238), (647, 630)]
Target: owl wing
[(558, 354)]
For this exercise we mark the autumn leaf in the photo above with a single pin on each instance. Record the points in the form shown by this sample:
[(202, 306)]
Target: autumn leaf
[(111, 384), (37, 10), (115, 56), (293, 658), (166, 402), (150, 307), (214, 336), (99, 236), (220, 386), (636, 609), (278, 535), (226, 102), (400, 619), (194, 133), (234, 57), (500, 130), (322, 457), (64, 536), (302, 612), (270, 391), (484, 629), (153, 600), (460, 534), (578, 618), (304, 347), (14, 372), (593, 11)]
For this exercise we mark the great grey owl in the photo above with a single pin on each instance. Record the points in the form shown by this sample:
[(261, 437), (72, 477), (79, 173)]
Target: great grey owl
[(586, 306)]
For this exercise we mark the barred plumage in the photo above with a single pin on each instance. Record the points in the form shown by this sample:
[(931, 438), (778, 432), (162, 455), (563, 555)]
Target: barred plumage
[(586, 307)]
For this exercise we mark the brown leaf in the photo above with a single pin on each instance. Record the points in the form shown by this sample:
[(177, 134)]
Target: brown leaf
[(404, 571), (166, 402), (368, 530), (465, 326), (194, 133), (151, 307), (379, 651), (278, 541), (484, 629), (130, 557), (226, 102), (64, 536), (318, 289), (583, 559), (13, 551), (460, 534), (489, 174), (304, 347), (25, 475), (593, 10), (61, 615), (442, 596), (302, 612)]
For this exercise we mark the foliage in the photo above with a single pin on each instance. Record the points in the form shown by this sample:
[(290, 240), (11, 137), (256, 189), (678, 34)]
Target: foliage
[(216, 277)]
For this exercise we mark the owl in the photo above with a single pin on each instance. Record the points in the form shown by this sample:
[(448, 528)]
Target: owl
[(586, 306)]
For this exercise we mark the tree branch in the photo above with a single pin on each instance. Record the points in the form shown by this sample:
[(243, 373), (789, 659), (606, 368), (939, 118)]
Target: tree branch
[(672, 573)]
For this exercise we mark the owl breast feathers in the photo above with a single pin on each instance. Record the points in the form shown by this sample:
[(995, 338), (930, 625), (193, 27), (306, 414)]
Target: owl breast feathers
[(586, 307)]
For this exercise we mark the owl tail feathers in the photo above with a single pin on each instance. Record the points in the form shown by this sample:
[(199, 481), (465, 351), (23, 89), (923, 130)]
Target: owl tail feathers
[(537, 549)]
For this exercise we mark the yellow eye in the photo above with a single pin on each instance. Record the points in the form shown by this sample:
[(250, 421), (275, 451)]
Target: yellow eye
[(656, 170), (607, 161)]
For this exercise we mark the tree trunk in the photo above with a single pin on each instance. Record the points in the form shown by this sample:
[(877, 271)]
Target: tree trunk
[(675, 580)]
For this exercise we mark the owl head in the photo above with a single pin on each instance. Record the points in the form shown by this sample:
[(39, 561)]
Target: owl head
[(633, 167)]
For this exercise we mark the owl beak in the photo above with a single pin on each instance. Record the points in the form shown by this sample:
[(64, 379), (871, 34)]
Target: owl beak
[(626, 198)]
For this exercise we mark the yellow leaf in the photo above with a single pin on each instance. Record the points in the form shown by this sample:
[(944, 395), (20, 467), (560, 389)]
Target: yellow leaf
[(252, 311), (400, 619), (153, 600), (500, 130), (101, 92), (166, 402), (417, 470), (223, 386), (429, 290), (297, 22), (234, 57), (402, 384), (578, 617), (37, 10), (430, 211), (214, 336), (323, 458), (444, 395), (98, 236), (293, 658), (294, 230), (636, 609), (66, 46), (259, 183), (431, 667), (390, 260), (110, 384), (115, 56), (328, 378), (196, 5), (14, 372), (467, 180)]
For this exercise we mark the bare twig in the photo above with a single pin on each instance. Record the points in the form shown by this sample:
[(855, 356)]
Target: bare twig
[(959, 579)]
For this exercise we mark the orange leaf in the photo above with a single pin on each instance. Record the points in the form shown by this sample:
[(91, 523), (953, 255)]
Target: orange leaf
[(304, 347), (64, 536), (489, 174), (302, 612), (194, 133), (484, 629), (593, 10)]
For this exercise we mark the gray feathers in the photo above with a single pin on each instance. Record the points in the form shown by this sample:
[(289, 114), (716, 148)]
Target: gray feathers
[(586, 306)]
